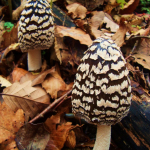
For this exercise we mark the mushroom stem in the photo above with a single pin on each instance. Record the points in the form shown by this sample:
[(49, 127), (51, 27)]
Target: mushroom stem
[(34, 60), (102, 137)]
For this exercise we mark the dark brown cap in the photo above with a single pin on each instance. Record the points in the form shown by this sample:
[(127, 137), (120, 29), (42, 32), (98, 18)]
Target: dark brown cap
[(102, 92), (36, 26)]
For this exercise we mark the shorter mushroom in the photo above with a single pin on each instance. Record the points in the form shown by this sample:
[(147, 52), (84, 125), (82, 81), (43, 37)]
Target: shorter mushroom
[(101, 92), (36, 31)]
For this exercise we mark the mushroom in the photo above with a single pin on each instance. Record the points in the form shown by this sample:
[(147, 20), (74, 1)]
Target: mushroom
[(36, 31), (101, 92)]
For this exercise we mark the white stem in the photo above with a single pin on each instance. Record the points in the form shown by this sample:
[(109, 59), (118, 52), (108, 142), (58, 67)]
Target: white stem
[(34, 60), (103, 137)]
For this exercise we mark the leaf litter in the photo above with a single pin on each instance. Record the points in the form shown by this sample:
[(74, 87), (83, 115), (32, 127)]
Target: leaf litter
[(44, 97)]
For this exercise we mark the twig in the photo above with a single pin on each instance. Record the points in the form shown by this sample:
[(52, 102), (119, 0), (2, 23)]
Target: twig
[(134, 47), (49, 107)]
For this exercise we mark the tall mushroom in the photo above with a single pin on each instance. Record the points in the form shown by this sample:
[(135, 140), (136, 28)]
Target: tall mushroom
[(102, 92), (36, 31)]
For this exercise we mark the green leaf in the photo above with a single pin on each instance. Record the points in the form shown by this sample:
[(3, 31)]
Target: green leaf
[(8, 26)]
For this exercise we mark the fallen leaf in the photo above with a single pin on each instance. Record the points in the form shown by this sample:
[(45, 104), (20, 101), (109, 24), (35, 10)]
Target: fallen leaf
[(74, 33), (58, 133), (76, 10), (32, 137), (111, 24), (90, 5), (54, 83), (119, 36), (71, 140), (18, 73), (4, 82), (67, 47), (10, 37), (10, 123), (16, 13), (143, 60), (31, 99), (129, 7)]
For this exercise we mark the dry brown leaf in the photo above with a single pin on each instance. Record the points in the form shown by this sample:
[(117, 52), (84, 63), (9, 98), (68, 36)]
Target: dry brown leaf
[(18, 73), (4, 82), (143, 60), (110, 6), (41, 77), (130, 7), (111, 24), (16, 13), (89, 4), (10, 123), (32, 136), (67, 48), (119, 36), (96, 20), (10, 37), (71, 140), (31, 99), (54, 84), (74, 33), (76, 10), (58, 134)]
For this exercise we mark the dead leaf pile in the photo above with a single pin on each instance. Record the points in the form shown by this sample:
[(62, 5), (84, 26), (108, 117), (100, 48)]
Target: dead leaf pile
[(44, 98)]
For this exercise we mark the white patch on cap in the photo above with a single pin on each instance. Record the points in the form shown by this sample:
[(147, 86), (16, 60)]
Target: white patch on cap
[(97, 92), (124, 84), (87, 82), (27, 20), (83, 67), (34, 18), (28, 4), (122, 101), (113, 51), (129, 99), (78, 77), (110, 119), (111, 113), (40, 20), (31, 27), (92, 48), (87, 108), (94, 56), (95, 118), (87, 99), (76, 102), (41, 11), (39, 5), (86, 90), (99, 65), (104, 45), (116, 77), (105, 69), (86, 56), (98, 112), (27, 36), (91, 91), (22, 18), (124, 94), (116, 98), (99, 82), (27, 12), (91, 85), (129, 89), (117, 66), (121, 109), (92, 78)]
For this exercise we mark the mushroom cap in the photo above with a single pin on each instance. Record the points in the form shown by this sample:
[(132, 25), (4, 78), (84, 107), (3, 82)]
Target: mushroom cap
[(36, 26), (102, 92)]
